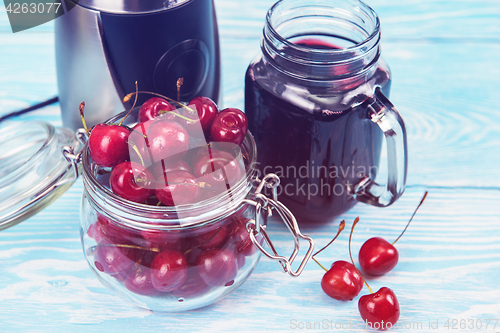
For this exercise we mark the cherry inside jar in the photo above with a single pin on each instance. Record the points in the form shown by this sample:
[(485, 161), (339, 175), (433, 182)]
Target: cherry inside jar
[(309, 100), (169, 258)]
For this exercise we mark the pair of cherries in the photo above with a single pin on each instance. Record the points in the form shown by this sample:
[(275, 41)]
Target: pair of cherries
[(185, 263), (343, 281), (153, 162)]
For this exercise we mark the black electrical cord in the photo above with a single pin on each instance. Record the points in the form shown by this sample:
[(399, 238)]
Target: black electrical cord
[(31, 108)]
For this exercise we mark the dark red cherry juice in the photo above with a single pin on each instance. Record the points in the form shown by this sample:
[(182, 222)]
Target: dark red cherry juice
[(315, 135)]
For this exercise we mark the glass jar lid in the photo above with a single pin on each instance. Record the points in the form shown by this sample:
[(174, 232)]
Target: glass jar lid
[(33, 171)]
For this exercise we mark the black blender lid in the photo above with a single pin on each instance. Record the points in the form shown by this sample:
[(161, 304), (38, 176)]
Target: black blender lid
[(130, 6), (33, 170)]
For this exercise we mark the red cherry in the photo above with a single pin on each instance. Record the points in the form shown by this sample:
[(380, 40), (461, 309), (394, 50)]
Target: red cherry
[(153, 201), (230, 125), (163, 167), (206, 110), (167, 138), (152, 107), (177, 188), (217, 267), (161, 238), (95, 232), (342, 281), (240, 259), (113, 231), (193, 286), (220, 169), (123, 275), (168, 270), (112, 258), (123, 181), (379, 310), (138, 139), (139, 281), (108, 145), (242, 241), (377, 256), (214, 237)]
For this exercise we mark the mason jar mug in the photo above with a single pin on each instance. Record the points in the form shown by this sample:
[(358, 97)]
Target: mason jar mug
[(316, 101)]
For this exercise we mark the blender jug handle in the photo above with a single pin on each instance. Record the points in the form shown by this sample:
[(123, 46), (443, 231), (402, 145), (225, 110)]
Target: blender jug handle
[(382, 112)]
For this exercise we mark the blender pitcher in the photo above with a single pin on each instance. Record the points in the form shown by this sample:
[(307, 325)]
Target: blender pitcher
[(104, 47)]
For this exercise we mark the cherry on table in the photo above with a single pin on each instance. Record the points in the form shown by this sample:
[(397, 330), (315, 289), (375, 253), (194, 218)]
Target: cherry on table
[(377, 256), (108, 145), (380, 310), (131, 181), (168, 270), (230, 125), (152, 107), (342, 281)]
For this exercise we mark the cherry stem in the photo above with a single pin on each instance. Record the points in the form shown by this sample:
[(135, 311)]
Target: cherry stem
[(350, 254), (180, 82), (153, 249), (415, 212), (144, 136), (81, 108), (133, 106), (129, 96), (137, 266), (319, 264), (178, 115), (134, 147), (341, 227)]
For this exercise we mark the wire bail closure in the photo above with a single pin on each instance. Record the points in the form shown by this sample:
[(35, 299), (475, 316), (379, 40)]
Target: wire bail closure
[(72, 158), (254, 227)]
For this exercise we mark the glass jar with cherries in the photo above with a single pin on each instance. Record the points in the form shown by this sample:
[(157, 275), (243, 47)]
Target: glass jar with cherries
[(172, 216)]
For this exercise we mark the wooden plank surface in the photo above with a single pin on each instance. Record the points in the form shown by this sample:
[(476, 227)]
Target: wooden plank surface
[(444, 59)]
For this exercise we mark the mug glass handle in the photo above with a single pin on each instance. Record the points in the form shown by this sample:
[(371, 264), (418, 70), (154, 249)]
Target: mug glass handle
[(386, 116)]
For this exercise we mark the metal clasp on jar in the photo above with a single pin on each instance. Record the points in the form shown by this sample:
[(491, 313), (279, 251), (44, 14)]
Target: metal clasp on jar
[(254, 227), (75, 158)]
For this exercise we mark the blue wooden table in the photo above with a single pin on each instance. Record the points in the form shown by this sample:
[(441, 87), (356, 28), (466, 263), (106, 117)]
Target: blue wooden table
[(444, 57)]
